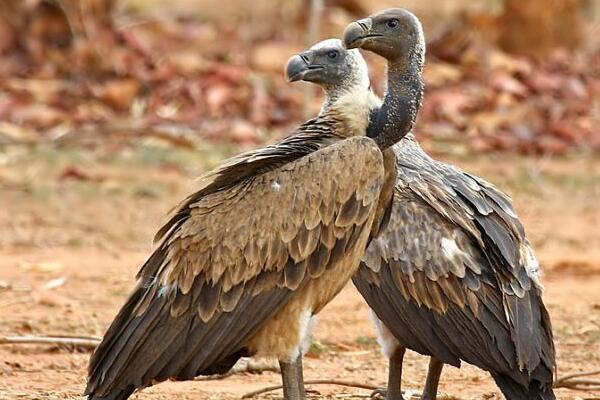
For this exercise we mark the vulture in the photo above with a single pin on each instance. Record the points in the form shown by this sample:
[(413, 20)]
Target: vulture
[(451, 273), (272, 235)]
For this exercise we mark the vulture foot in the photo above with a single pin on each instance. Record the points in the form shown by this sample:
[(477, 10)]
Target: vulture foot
[(382, 394)]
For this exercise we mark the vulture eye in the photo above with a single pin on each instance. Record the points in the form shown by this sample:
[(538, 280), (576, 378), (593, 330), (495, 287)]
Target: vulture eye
[(393, 23), (332, 54)]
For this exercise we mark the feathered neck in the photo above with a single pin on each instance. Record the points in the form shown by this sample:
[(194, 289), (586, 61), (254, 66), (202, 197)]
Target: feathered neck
[(402, 101), (351, 106)]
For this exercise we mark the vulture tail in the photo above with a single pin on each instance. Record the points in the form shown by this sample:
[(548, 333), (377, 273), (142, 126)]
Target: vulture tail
[(513, 390), (115, 395)]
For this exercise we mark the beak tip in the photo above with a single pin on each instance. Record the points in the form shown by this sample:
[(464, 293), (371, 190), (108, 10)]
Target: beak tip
[(353, 33), (295, 68)]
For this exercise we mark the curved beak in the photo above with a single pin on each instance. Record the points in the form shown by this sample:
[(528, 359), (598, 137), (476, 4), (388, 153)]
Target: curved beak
[(356, 33), (296, 67), (302, 67)]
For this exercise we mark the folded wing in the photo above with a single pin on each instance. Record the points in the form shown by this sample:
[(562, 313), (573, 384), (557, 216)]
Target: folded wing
[(232, 256)]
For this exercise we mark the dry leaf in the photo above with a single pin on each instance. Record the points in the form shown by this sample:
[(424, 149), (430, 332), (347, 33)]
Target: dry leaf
[(56, 283), (438, 74), (506, 83), (120, 92), (41, 266), (217, 96), (39, 115)]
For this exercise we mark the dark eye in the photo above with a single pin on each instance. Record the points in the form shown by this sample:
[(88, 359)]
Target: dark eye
[(393, 23), (332, 54)]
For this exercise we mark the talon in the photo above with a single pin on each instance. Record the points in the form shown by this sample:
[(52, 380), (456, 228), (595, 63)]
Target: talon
[(378, 394)]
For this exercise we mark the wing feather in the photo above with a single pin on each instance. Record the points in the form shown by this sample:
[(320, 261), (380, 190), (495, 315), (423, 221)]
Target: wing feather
[(231, 257), (451, 275)]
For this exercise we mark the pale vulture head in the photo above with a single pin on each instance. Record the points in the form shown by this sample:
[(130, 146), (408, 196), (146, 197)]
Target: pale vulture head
[(331, 66)]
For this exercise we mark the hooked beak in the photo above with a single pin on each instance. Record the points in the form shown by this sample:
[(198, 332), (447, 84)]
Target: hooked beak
[(358, 32), (300, 68), (296, 68)]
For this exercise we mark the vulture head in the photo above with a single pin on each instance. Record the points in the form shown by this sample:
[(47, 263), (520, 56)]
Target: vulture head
[(395, 34), (329, 65)]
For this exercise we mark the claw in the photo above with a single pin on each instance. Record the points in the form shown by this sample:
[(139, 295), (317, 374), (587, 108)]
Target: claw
[(378, 394)]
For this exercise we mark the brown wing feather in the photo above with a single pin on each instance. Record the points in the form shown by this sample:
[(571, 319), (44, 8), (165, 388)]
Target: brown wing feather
[(452, 274), (230, 260)]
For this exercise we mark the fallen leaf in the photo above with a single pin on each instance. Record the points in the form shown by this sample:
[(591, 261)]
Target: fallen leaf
[(217, 96), (120, 93), (506, 83), (42, 266), (551, 145), (439, 73), (243, 132), (39, 115), (189, 62), (17, 132), (75, 173), (574, 88), (55, 283)]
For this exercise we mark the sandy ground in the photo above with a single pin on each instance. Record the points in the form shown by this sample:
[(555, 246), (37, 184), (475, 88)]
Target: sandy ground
[(75, 226)]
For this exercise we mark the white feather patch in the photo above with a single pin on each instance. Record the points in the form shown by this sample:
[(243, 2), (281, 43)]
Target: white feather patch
[(531, 264), (306, 326), (450, 249), (166, 289), (308, 335), (386, 340)]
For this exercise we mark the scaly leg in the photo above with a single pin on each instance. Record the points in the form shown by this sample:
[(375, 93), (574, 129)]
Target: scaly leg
[(290, 378), (394, 391), (394, 388), (433, 379), (300, 379)]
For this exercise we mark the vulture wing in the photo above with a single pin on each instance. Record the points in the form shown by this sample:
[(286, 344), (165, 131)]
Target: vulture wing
[(232, 256), (453, 276)]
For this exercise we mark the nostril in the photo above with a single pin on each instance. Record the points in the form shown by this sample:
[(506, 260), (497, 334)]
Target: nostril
[(366, 24), (305, 58)]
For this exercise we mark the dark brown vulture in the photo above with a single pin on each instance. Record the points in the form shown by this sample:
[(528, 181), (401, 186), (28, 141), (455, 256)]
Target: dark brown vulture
[(451, 274), (243, 264)]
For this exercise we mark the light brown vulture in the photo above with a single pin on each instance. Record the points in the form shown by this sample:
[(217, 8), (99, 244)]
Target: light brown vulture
[(271, 237), (451, 274)]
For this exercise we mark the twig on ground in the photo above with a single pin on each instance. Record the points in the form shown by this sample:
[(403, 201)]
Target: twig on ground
[(572, 382), (78, 341), (353, 384), (14, 302), (577, 375)]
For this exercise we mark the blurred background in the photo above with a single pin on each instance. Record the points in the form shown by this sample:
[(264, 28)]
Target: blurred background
[(110, 108)]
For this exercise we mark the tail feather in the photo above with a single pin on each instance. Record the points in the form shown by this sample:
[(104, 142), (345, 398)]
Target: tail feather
[(140, 349), (516, 391), (122, 394)]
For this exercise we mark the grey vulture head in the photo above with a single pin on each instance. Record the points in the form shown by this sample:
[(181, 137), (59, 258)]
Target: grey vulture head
[(395, 34), (329, 65)]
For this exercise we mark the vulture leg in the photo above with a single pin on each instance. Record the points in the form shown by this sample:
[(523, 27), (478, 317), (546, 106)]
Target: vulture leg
[(394, 390), (293, 386), (433, 379), (300, 377)]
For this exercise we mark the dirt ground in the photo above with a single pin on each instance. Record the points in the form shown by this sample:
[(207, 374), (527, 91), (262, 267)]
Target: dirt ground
[(76, 225)]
